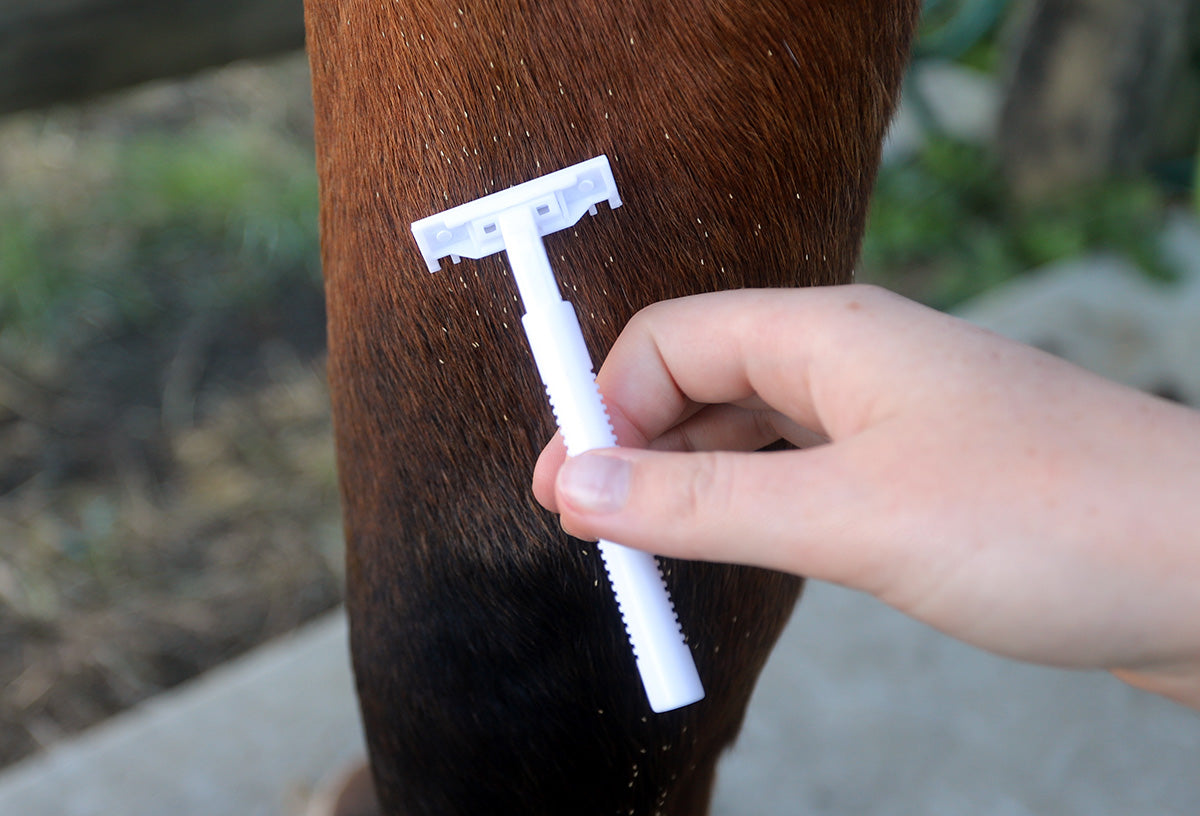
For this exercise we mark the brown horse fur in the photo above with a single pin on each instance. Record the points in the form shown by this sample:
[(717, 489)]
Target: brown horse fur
[(493, 673)]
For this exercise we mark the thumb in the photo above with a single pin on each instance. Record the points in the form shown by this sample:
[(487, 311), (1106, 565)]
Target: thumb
[(779, 510)]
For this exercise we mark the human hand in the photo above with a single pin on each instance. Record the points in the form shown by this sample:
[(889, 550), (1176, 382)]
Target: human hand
[(1004, 496)]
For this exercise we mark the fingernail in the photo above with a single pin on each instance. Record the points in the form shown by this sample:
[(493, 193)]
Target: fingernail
[(595, 483)]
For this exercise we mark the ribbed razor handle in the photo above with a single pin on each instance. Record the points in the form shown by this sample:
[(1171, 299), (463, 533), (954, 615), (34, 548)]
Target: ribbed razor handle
[(664, 661), (514, 220)]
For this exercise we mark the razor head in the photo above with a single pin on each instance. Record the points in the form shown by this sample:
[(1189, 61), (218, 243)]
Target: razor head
[(557, 200)]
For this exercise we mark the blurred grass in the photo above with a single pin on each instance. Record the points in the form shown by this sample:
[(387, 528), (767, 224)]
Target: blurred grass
[(168, 494), (134, 233)]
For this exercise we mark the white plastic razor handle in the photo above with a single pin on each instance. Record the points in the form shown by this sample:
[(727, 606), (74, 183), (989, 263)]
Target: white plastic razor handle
[(515, 220), (664, 660)]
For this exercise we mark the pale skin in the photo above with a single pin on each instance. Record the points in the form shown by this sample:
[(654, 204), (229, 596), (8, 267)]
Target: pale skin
[(1003, 496)]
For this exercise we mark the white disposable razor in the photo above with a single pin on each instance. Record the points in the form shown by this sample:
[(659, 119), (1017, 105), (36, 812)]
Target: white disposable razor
[(514, 220)]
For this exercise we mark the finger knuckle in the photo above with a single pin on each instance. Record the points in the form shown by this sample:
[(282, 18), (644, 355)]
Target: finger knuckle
[(704, 492)]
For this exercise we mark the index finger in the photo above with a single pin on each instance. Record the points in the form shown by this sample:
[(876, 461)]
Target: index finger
[(819, 356)]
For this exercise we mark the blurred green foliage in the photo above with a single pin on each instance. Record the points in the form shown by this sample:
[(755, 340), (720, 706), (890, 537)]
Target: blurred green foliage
[(173, 224), (961, 30), (942, 229)]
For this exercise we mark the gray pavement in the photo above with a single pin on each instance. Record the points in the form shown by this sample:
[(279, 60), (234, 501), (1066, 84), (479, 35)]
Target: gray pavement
[(251, 738), (860, 711), (863, 711)]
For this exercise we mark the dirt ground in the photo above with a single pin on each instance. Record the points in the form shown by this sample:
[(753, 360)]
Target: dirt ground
[(168, 497)]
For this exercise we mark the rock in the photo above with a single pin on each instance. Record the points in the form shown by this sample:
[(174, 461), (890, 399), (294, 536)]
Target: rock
[(1103, 313), (958, 102), (1088, 87), (1181, 346)]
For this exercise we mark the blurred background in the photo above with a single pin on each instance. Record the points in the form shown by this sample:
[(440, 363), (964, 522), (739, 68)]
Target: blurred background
[(167, 487)]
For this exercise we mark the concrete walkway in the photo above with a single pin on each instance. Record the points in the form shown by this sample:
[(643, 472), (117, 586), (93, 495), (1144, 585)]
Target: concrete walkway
[(863, 711), (860, 711), (251, 738)]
